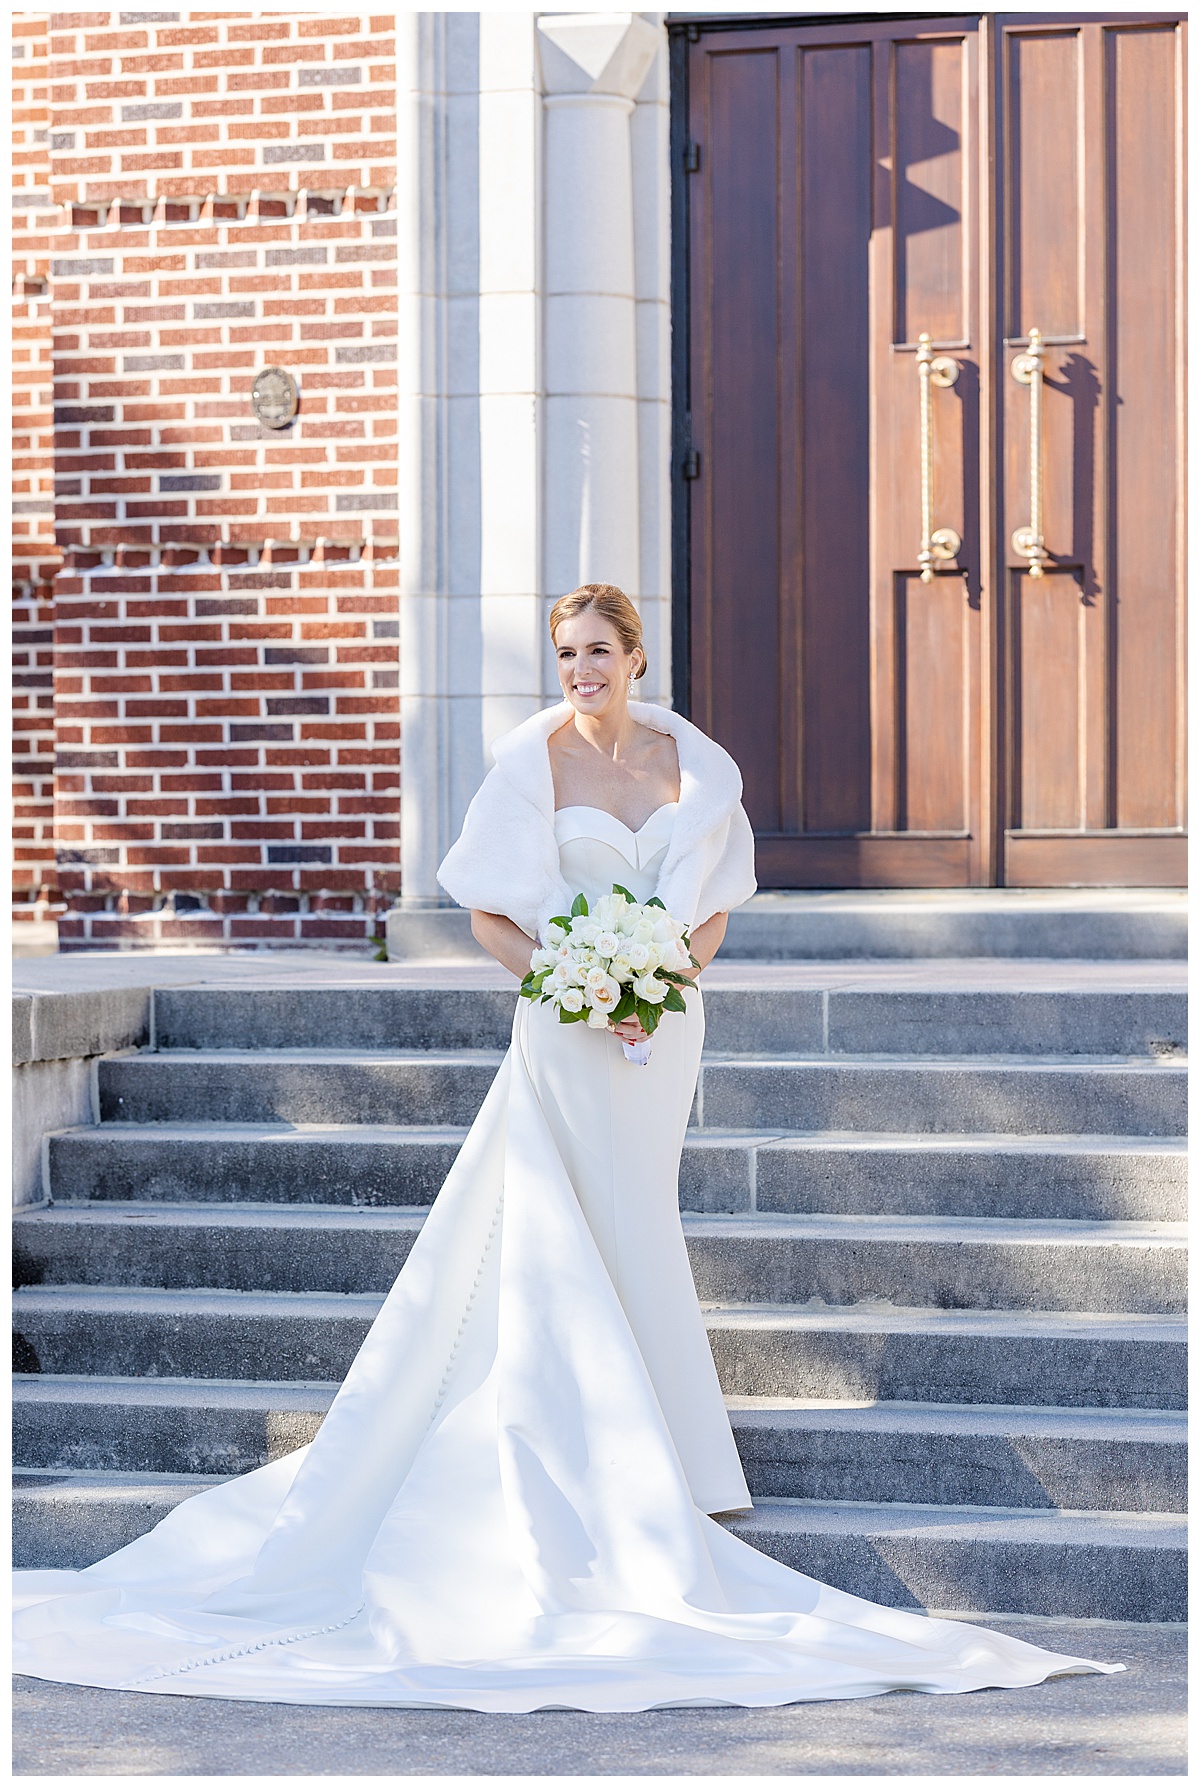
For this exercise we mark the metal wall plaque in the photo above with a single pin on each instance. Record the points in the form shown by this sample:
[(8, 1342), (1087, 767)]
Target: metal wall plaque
[(274, 397)]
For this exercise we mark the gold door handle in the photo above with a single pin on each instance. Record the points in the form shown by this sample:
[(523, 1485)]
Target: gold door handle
[(1027, 369), (936, 543)]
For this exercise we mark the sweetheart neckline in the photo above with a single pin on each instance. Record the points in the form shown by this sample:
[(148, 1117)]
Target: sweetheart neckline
[(586, 807)]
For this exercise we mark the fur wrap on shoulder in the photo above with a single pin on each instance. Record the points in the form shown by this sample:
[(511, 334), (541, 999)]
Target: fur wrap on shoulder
[(506, 857)]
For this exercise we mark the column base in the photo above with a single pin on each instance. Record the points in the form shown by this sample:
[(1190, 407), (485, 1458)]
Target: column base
[(420, 930)]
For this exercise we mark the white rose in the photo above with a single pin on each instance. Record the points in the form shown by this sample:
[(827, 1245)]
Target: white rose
[(562, 977), (676, 958), (596, 977), (597, 1019), (604, 994), (621, 969), (637, 955), (555, 934), (584, 930), (650, 990), (607, 943), (542, 959), (571, 1000)]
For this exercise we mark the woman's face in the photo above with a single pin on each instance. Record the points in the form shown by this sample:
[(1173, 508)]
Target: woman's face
[(593, 666)]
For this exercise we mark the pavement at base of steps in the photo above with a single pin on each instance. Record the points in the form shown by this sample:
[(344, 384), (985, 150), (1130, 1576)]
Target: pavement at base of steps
[(1131, 1724)]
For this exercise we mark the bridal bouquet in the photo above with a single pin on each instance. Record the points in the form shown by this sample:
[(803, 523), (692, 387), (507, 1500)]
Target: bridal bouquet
[(619, 960)]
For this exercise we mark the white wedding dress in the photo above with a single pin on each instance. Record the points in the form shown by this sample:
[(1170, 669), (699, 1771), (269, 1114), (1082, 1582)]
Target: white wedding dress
[(503, 1507)]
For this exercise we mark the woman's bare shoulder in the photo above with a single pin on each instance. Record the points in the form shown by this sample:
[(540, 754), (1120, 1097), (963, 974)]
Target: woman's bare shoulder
[(660, 756), (560, 742)]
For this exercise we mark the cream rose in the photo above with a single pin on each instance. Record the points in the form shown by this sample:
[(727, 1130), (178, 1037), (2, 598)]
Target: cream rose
[(651, 990), (571, 999), (603, 995)]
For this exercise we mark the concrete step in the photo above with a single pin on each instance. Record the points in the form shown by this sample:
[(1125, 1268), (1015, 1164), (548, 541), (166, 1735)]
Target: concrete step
[(1093, 1178), (385, 1018), (909, 1452), (1102, 1178), (1029, 1358), (65, 1521), (956, 1263), (964, 1095), (941, 1356), (946, 1263), (1142, 1098), (939, 1453), (1082, 1563), (364, 1165), (909, 924), (818, 1020), (1061, 1562), (301, 1087), (903, 924)]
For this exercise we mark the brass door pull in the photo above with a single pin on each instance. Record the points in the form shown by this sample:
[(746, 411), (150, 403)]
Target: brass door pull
[(936, 543), (1027, 369)]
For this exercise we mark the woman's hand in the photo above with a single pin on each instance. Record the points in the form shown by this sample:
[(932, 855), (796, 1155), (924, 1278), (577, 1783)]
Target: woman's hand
[(629, 1030)]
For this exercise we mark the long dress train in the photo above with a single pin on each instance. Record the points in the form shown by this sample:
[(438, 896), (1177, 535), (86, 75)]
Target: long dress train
[(503, 1507)]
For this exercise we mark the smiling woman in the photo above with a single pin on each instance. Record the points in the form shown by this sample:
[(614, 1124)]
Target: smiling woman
[(606, 602)]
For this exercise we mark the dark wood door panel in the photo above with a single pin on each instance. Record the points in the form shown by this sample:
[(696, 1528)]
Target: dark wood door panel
[(1145, 435), (869, 860), (862, 184), (832, 219), (1090, 122), (834, 238), (739, 648), (1098, 860)]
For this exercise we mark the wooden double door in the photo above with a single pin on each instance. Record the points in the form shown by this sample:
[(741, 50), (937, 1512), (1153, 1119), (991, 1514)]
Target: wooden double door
[(935, 610)]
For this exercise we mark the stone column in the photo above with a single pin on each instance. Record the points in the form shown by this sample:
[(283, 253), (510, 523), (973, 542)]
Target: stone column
[(421, 418), (593, 65), (469, 403)]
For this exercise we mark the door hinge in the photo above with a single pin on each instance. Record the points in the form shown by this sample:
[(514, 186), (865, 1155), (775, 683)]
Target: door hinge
[(691, 463), (691, 157)]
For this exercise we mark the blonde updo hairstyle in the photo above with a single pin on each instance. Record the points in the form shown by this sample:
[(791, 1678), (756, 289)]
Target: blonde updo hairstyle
[(614, 605)]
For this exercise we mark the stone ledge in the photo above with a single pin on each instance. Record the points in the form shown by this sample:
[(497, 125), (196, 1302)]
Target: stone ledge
[(49, 1027)]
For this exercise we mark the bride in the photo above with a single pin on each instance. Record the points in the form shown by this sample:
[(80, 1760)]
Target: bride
[(508, 1506)]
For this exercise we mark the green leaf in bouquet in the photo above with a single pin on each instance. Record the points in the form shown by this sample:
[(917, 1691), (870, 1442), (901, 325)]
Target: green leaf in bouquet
[(561, 920), (647, 1016), (625, 1006), (572, 1017), (692, 960), (618, 889), (655, 901), (579, 907), (674, 1001)]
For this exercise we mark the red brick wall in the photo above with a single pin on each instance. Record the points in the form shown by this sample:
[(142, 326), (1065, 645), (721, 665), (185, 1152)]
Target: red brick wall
[(35, 558), (226, 617)]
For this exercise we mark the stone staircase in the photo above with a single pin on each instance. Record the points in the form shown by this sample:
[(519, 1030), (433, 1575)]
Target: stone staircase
[(933, 1209)]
